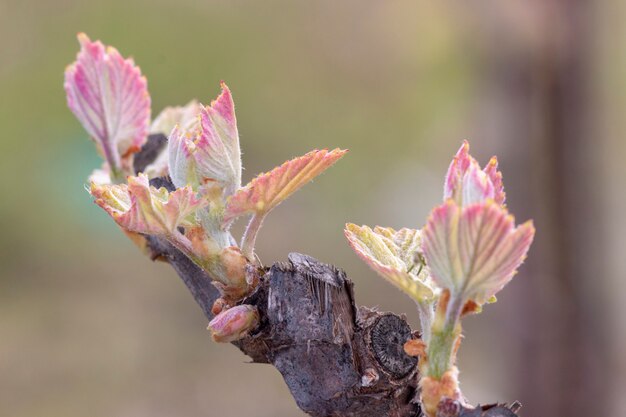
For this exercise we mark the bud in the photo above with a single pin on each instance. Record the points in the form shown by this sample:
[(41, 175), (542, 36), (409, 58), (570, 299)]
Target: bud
[(169, 117), (218, 306), (415, 348), (234, 323), (433, 390), (448, 407), (467, 184), (207, 149), (477, 187), (233, 271)]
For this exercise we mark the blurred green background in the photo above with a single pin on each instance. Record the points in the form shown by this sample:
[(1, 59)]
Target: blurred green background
[(89, 327)]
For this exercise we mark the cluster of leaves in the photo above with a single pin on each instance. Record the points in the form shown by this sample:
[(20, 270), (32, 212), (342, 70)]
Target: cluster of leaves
[(468, 250), (109, 96)]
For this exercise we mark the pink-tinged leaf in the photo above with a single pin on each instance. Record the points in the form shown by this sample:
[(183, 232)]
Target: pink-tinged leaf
[(139, 207), (268, 190), (496, 179), (182, 165), (173, 121), (474, 251), (185, 116), (218, 156), (109, 96), (234, 323), (392, 255), (206, 151), (467, 184), (459, 165), (476, 186)]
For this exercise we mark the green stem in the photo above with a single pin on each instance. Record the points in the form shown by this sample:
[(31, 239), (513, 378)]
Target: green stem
[(426, 315), (232, 285), (443, 339), (183, 244), (211, 219), (117, 176), (249, 237)]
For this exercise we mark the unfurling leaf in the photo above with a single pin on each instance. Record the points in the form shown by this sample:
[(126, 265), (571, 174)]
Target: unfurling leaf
[(406, 244), (268, 190), (394, 256), (109, 96), (467, 184), (218, 155), (160, 166), (185, 116), (182, 166), (208, 150), (100, 176), (139, 207), (474, 251), (477, 187), (234, 323), (495, 177)]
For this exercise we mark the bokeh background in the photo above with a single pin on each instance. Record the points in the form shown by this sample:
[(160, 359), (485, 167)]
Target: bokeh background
[(89, 327)]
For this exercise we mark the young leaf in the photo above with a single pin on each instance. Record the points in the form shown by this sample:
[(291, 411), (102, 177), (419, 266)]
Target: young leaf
[(474, 251), (476, 186), (268, 190), (393, 255), (467, 184), (185, 116), (208, 150), (457, 169), (138, 207), (495, 177), (406, 244), (160, 166), (218, 156), (109, 96), (182, 164)]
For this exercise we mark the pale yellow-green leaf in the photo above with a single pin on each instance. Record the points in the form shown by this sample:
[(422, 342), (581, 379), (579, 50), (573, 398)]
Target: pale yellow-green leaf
[(392, 254)]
